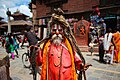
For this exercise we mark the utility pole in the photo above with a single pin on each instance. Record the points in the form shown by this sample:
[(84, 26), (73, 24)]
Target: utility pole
[(8, 14)]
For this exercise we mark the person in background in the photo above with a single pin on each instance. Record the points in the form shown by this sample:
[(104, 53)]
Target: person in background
[(3, 41), (101, 50), (103, 28), (31, 37), (9, 45), (116, 39), (16, 45), (108, 43)]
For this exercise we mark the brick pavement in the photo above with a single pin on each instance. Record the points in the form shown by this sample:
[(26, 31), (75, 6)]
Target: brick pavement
[(98, 71)]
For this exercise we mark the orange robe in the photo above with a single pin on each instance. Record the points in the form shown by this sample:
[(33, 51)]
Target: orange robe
[(116, 38), (58, 62)]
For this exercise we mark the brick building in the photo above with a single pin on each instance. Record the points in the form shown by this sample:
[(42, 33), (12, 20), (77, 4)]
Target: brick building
[(77, 9), (109, 10), (70, 7)]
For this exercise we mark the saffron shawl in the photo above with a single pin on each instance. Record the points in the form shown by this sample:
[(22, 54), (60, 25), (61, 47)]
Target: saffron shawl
[(44, 62)]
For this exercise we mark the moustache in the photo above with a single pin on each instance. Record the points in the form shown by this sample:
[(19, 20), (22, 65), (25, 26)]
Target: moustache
[(57, 36), (57, 39)]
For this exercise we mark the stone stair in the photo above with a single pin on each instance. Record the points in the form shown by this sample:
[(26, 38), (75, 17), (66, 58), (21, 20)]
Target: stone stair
[(86, 48)]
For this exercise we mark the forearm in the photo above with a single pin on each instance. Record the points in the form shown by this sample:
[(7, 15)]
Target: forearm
[(39, 57)]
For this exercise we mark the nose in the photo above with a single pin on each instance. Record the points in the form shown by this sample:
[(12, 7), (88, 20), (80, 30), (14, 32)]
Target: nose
[(57, 32)]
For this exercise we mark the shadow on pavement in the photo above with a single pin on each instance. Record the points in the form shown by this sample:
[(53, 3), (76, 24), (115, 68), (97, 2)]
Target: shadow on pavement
[(96, 54), (92, 54), (99, 61)]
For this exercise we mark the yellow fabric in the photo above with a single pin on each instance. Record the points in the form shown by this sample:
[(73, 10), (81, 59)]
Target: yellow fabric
[(116, 38), (73, 72), (44, 64), (119, 56)]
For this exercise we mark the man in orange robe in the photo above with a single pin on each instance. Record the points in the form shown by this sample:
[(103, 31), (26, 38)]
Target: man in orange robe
[(116, 38), (58, 59), (57, 56)]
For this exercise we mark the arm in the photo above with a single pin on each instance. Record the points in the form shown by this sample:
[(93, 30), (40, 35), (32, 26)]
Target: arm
[(37, 38), (78, 61), (81, 67), (113, 42), (23, 41), (39, 57)]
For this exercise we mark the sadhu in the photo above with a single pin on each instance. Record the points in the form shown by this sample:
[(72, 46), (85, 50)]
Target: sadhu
[(59, 54)]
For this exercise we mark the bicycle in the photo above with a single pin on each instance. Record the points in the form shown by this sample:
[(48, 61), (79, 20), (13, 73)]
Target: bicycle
[(28, 60)]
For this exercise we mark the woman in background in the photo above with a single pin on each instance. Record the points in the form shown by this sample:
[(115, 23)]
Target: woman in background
[(9, 45)]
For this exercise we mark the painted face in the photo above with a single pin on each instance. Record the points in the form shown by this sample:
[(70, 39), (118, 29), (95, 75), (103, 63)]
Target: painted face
[(57, 29)]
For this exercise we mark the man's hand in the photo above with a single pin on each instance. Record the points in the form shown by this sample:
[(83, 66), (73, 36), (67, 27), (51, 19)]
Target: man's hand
[(85, 67)]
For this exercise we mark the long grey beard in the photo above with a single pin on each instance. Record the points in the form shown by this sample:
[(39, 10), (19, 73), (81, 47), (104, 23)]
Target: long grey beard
[(57, 39)]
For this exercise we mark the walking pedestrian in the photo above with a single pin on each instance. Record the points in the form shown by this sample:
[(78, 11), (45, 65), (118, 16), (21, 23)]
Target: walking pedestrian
[(9, 45), (108, 42), (116, 38), (15, 44)]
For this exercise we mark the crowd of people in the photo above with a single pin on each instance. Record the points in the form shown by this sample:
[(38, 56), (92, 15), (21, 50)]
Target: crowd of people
[(109, 46), (11, 42), (108, 41)]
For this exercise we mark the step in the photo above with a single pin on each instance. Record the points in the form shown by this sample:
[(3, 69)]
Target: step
[(86, 49)]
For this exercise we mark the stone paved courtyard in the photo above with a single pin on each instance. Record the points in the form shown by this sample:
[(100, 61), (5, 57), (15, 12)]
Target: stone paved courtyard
[(98, 71)]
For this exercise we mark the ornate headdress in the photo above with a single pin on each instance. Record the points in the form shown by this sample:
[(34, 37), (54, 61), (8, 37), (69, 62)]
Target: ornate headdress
[(57, 17)]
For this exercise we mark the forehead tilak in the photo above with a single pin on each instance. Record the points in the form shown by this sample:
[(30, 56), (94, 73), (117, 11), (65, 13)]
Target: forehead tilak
[(56, 26)]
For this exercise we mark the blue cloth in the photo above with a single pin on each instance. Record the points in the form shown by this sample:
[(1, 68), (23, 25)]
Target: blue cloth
[(16, 45)]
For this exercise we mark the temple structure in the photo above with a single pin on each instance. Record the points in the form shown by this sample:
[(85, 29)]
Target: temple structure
[(19, 22), (2, 29)]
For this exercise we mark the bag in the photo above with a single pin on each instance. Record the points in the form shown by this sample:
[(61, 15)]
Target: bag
[(7, 44)]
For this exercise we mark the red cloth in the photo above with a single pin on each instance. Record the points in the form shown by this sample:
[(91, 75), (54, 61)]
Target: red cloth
[(59, 55), (116, 55)]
